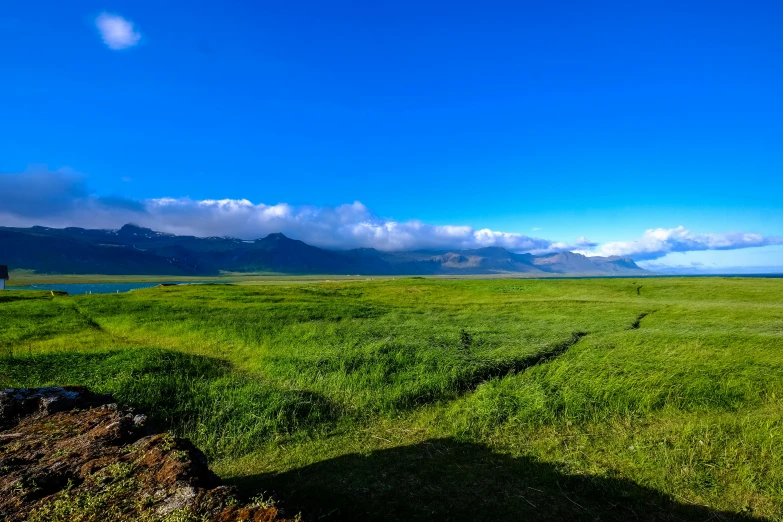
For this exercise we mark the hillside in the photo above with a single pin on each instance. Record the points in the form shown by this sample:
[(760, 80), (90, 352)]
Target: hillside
[(137, 250)]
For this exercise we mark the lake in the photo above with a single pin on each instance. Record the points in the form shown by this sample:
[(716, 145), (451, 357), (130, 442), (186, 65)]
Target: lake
[(87, 288)]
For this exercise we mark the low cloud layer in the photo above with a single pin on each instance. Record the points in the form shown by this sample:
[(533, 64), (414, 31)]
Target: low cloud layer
[(658, 242), (117, 32), (344, 226), (61, 199)]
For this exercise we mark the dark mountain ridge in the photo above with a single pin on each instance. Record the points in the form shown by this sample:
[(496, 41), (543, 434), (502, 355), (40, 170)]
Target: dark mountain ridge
[(137, 250)]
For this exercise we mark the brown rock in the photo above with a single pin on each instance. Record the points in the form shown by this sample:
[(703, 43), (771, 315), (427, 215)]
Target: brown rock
[(67, 454)]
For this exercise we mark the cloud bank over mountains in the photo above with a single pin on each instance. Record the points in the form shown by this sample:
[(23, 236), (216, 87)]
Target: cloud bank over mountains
[(345, 226), (61, 199)]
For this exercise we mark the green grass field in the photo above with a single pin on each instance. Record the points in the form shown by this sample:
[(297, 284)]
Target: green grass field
[(425, 399)]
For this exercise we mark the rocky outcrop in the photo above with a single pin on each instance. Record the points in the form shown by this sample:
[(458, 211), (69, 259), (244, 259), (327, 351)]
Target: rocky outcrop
[(67, 454)]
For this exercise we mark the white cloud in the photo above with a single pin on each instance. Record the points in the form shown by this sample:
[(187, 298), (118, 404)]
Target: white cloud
[(658, 242), (345, 226), (61, 198), (117, 32)]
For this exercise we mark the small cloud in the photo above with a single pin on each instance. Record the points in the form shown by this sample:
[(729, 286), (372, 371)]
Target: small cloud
[(117, 32), (126, 179), (536, 229)]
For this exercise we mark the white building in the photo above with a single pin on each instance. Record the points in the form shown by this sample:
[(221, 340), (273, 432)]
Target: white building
[(3, 276)]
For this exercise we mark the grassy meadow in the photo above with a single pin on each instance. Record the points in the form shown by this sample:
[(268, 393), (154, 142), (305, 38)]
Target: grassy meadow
[(430, 399)]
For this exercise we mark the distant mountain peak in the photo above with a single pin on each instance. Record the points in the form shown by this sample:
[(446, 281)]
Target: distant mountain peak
[(276, 235), (490, 251), (130, 229), (568, 254)]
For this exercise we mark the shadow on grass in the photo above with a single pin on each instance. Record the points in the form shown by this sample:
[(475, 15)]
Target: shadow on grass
[(442, 479), (224, 411)]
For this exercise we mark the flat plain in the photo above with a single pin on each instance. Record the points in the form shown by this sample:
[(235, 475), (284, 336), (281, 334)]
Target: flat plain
[(428, 399)]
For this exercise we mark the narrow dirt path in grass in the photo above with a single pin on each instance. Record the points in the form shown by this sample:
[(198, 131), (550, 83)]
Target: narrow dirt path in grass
[(638, 322), (520, 365), (87, 319)]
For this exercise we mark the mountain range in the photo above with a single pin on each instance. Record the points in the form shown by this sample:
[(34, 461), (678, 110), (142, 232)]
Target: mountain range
[(136, 250)]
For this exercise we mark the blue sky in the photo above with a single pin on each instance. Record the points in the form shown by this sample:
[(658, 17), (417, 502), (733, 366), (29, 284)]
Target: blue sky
[(554, 120)]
